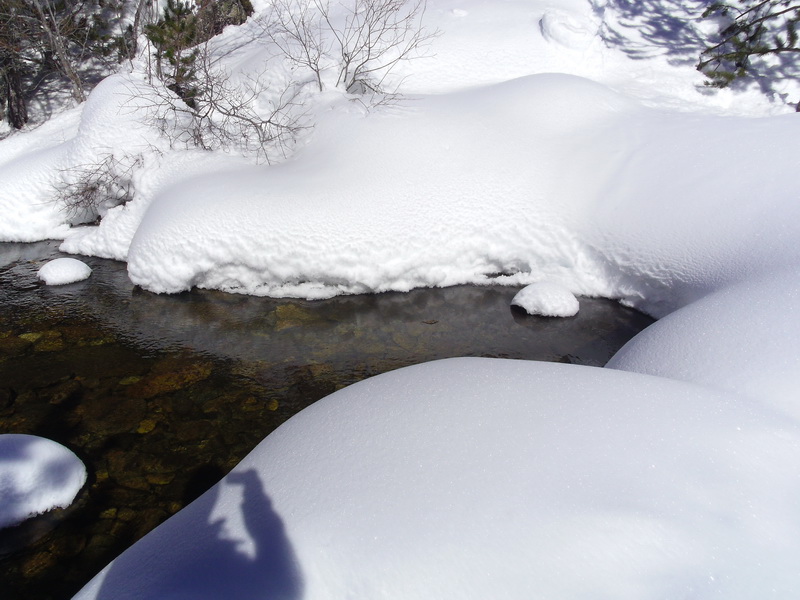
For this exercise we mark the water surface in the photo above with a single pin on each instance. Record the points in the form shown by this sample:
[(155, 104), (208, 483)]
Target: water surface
[(162, 395)]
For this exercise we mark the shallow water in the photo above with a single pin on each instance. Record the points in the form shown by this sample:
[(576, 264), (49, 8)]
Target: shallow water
[(161, 395)]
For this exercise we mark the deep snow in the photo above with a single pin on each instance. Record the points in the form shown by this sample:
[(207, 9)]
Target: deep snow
[(569, 142)]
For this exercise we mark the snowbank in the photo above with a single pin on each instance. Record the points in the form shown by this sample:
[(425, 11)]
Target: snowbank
[(438, 194), (36, 475), (482, 44), (480, 478), (547, 177), (64, 270)]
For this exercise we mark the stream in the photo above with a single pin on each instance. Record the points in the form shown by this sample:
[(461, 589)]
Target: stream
[(160, 396)]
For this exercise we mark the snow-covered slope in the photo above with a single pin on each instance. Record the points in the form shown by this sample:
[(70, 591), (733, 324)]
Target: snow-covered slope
[(492, 168)]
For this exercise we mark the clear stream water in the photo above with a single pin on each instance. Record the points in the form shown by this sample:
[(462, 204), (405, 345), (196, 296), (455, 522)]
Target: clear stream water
[(162, 395)]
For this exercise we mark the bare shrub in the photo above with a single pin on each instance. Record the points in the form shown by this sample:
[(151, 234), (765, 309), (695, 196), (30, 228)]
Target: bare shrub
[(224, 114), (362, 43), (85, 192), (258, 116)]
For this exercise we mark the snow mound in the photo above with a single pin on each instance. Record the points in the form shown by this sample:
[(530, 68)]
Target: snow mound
[(744, 339), (546, 299), (115, 124), (567, 29), (61, 271), (443, 196), (36, 475), (485, 478)]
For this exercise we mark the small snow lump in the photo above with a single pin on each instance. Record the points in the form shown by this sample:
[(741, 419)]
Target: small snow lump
[(64, 270), (36, 475), (546, 299)]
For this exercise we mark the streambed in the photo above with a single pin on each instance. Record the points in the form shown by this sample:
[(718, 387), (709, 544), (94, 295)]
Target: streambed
[(162, 395)]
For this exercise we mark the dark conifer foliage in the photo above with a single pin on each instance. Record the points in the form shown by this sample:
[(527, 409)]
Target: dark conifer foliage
[(759, 31), (184, 25), (47, 42), (174, 37), (52, 48)]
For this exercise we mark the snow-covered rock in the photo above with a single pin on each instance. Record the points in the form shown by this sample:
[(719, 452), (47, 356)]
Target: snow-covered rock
[(547, 299), (61, 271), (483, 478), (36, 475), (744, 339)]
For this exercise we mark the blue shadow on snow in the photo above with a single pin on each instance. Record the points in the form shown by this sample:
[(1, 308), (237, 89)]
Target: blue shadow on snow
[(187, 557)]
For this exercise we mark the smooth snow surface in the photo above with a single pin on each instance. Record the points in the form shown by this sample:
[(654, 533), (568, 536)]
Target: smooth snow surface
[(36, 475), (61, 271), (744, 339), (546, 299), (482, 478)]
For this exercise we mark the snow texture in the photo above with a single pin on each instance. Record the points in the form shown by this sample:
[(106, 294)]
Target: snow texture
[(64, 270), (36, 475), (546, 299)]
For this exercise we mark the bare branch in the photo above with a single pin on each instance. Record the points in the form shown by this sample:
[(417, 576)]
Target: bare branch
[(223, 114), (363, 40), (87, 191)]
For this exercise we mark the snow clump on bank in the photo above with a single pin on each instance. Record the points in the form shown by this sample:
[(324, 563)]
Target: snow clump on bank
[(547, 299)]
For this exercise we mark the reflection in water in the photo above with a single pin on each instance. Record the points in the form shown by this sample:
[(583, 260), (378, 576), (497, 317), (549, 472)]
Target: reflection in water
[(352, 330), (210, 565), (161, 395)]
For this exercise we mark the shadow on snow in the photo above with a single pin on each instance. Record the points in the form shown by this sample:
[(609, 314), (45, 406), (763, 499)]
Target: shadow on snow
[(190, 556), (648, 28), (673, 28)]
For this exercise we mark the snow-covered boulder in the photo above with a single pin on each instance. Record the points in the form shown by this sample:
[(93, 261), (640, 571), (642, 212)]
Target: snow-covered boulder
[(61, 271), (744, 339), (547, 299), (36, 475), (482, 478)]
